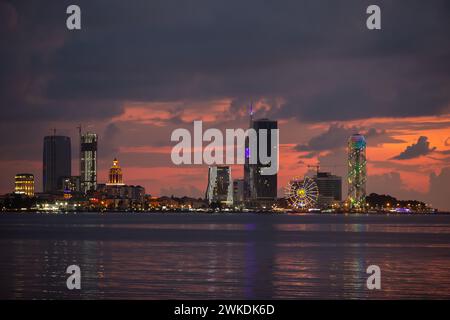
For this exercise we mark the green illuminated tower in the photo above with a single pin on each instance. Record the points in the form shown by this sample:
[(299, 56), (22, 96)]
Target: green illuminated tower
[(357, 174)]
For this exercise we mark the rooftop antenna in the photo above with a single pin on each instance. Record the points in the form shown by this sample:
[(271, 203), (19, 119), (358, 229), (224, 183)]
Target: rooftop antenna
[(250, 112), (54, 131)]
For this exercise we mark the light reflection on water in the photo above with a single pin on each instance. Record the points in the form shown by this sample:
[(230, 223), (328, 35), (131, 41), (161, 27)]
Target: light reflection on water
[(252, 257), (438, 228)]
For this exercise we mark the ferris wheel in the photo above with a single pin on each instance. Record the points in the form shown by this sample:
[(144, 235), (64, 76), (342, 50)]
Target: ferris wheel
[(302, 193)]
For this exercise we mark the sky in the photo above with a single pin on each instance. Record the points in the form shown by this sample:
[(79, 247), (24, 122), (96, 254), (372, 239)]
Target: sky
[(137, 70)]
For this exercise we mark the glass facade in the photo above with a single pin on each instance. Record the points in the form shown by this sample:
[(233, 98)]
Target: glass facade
[(330, 188), (57, 162), (220, 185), (88, 162), (258, 187)]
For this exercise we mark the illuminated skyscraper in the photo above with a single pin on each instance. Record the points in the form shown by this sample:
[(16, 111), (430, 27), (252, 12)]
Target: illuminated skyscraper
[(24, 184), (220, 185), (57, 162), (88, 162), (357, 174), (115, 174)]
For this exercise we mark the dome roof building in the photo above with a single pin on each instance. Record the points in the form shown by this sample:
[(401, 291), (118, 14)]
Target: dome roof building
[(115, 177)]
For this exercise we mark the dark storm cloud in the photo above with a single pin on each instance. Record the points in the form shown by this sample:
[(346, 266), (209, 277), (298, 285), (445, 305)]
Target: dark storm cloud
[(336, 137), (351, 100), (445, 152), (316, 55), (145, 160), (398, 124), (30, 36), (402, 166), (421, 148), (108, 141)]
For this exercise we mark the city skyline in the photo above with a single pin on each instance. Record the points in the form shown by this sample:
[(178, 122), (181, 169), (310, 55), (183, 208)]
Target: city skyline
[(320, 92), (330, 185)]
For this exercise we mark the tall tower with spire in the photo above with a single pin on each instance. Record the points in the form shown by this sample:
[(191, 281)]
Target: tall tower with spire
[(250, 112), (247, 166), (259, 189)]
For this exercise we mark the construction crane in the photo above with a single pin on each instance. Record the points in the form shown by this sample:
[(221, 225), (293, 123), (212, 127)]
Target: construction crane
[(318, 166)]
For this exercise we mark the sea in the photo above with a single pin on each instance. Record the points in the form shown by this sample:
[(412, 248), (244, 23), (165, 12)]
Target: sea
[(224, 255)]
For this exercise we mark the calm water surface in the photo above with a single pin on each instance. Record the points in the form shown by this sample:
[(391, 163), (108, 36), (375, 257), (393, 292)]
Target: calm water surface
[(222, 256)]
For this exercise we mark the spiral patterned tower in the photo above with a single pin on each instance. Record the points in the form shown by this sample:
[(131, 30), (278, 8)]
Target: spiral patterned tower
[(357, 173)]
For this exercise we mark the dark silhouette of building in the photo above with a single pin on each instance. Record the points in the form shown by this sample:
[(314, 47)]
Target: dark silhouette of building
[(57, 162), (72, 184), (120, 197), (238, 191), (259, 189), (330, 188)]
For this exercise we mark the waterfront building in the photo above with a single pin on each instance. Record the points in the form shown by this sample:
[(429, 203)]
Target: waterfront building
[(57, 162), (120, 197), (115, 195), (330, 189), (71, 185), (122, 191), (259, 190), (238, 191), (88, 162), (24, 184), (357, 173), (220, 185), (115, 177)]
